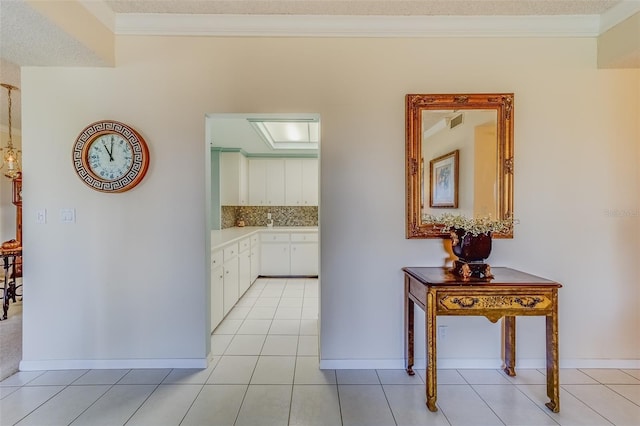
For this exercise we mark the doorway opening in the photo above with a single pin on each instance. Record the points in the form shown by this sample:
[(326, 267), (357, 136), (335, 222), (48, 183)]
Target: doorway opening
[(262, 176)]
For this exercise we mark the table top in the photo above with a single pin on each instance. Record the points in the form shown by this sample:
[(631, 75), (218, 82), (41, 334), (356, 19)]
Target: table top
[(442, 276)]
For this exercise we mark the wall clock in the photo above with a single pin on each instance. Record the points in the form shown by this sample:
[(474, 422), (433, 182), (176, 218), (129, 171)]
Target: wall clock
[(110, 156)]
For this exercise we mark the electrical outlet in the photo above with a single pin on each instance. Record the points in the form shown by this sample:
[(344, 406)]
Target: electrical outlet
[(269, 216)]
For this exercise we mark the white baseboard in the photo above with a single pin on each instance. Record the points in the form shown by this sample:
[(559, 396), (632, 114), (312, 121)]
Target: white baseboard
[(330, 364), (88, 364), (480, 363)]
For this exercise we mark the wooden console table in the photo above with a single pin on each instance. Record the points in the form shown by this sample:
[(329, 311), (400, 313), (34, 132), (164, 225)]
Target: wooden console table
[(510, 293)]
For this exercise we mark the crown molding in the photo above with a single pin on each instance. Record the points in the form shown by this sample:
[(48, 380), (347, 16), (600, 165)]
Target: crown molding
[(618, 13), (102, 12), (357, 26)]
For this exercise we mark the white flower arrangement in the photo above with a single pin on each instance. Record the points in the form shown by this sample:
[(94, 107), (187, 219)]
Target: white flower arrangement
[(472, 226)]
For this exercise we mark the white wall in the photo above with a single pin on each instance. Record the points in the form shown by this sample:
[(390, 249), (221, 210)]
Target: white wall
[(127, 283)]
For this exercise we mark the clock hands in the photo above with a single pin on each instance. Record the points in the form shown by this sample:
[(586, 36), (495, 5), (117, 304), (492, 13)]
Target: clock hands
[(107, 149)]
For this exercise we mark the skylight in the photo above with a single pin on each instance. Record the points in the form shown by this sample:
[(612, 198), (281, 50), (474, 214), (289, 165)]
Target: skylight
[(288, 133)]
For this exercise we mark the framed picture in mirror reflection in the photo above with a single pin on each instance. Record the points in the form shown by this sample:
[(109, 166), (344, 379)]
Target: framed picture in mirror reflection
[(443, 173)]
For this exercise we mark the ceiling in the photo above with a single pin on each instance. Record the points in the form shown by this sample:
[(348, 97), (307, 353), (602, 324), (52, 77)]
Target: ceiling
[(29, 37)]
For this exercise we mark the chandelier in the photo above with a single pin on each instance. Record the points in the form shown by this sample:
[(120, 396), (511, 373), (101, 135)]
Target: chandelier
[(10, 155)]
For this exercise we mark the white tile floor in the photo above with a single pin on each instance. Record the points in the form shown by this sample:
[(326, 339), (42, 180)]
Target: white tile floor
[(265, 372)]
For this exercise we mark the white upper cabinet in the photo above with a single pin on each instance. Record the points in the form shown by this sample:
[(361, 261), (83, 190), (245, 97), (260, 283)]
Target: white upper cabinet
[(233, 175), (266, 182), (301, 182), (275, 182), (310, 182)]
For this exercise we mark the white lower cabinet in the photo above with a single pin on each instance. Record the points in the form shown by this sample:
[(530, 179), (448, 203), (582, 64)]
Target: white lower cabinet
[(289, 253), (304, 258), (231, 284), (235, 266), (244, 267), (217, 295), (232, 273), (275, 259), (255, 257)]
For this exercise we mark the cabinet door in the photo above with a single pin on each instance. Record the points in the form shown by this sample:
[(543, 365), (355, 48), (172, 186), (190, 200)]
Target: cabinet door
[(243, 178), (231, 279), (257, 182), (233, 179), (244, 272), (304, 258), (309, 191), (275, 182), (274, 259), (293, 182), (217, 296), (255, 258)]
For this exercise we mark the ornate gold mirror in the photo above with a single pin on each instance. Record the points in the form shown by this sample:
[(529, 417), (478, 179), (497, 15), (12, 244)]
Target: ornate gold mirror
[(459, 159)]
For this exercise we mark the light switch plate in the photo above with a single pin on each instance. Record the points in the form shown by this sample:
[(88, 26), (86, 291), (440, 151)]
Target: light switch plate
[(67, 215), (41, 216)]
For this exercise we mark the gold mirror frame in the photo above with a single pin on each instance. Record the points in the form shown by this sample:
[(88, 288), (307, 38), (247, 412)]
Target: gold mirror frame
[(416, 104)]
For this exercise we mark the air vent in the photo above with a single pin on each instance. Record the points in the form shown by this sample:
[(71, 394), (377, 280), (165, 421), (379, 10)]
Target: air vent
[(456, 121)]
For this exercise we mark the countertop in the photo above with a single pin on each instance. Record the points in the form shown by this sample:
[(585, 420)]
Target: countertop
[(229, 235)]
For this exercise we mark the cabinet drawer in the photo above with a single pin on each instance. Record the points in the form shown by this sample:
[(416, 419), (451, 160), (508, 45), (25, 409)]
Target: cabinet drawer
[(230, 251), (270, 237), (255, 239), (216, 259), (245, 244), (304, 237)]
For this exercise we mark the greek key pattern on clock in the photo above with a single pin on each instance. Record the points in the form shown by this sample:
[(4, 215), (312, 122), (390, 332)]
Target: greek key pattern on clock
[(110, 156)]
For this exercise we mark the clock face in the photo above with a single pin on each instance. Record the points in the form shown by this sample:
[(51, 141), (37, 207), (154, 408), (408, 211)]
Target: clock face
[(110, 156)]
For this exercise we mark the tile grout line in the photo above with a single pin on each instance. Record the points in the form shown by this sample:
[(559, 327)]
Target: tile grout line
[(608, 386), (246, 390), (483, 400), (541, 407), (386, 398), (584, 403)]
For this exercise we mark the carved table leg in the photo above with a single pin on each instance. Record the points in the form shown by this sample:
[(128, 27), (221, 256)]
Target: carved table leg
[(509, 338), (553, 374), (408, 328), (430, 327), (5, 293)]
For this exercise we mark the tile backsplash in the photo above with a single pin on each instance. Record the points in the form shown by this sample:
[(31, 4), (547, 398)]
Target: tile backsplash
[(281, 215)]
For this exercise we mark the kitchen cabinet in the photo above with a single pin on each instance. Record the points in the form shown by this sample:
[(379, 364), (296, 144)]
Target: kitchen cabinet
[(236, 265), (234, 188), (289, 254), (255, 257), (310, 183), (301, 182), (244, 266), (304, 254), (266, 182), (275, 259), (231, 277), (217, 289)]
